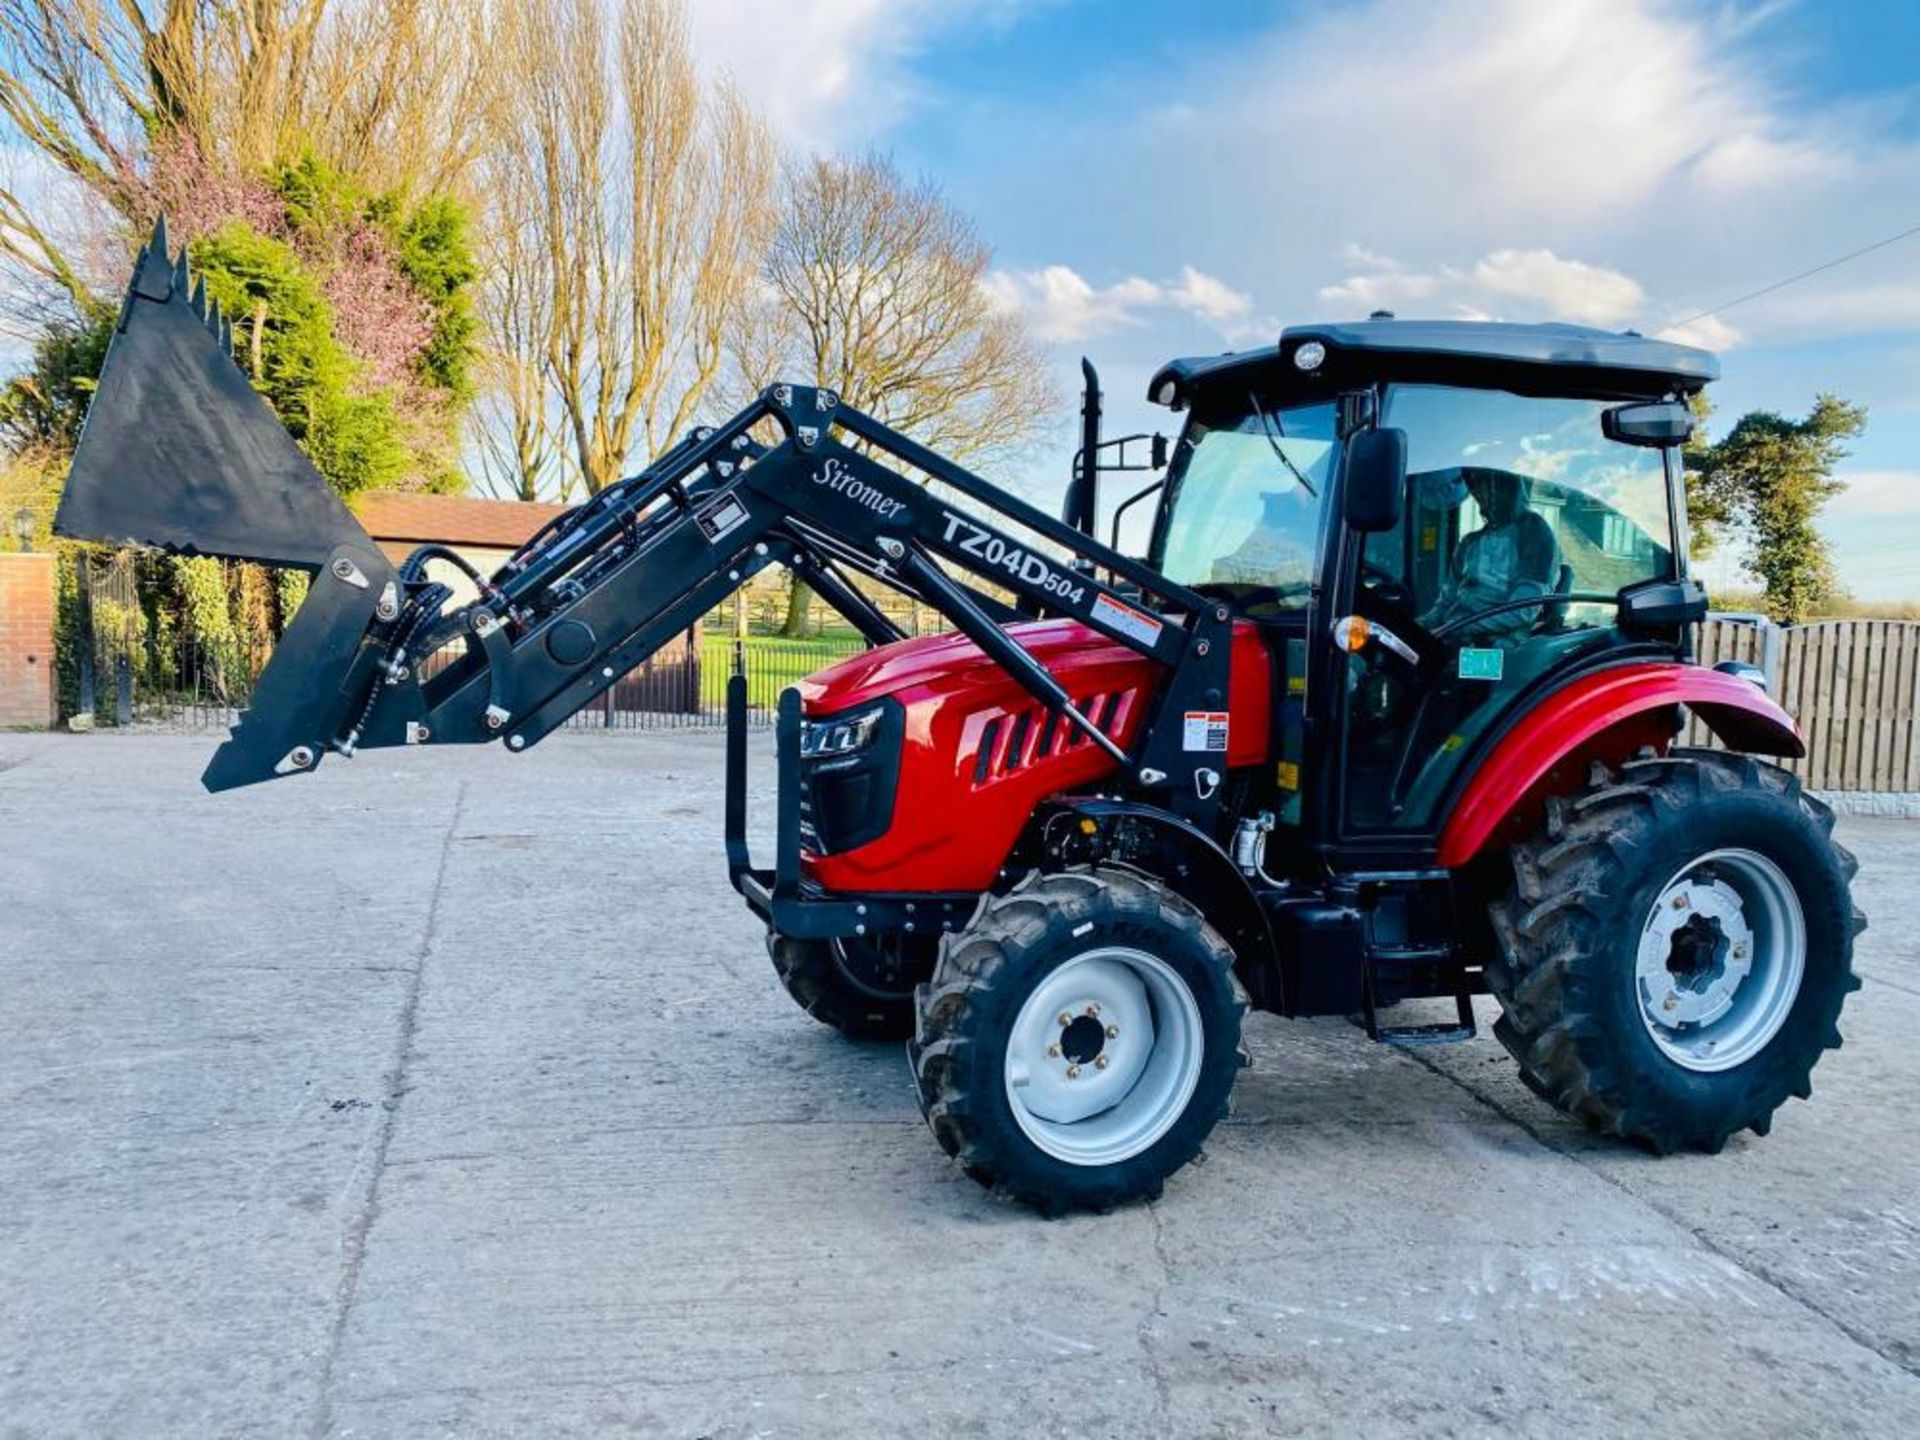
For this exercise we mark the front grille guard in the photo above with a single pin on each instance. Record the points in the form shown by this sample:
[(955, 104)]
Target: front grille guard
[(783, 896)]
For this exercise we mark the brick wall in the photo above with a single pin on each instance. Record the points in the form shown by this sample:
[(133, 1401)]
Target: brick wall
[(26, 641)]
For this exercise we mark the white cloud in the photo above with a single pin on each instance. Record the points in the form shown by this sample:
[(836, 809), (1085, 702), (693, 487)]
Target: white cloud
[(1709, 332), (1515, 109), (1660, 146), (1386, 286), (831, 73), (1212, 300), (1878, 492), (1061, 306), (837, 75), (1747, 161), (1573, 289), (1507, 283), (1861, 307), (1535, 137)]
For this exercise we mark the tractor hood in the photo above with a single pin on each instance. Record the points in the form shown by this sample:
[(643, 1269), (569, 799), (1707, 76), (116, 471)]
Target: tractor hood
[(949, 663)]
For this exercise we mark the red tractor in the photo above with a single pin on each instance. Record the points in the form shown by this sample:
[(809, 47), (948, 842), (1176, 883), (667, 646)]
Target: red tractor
[(1386, 711)]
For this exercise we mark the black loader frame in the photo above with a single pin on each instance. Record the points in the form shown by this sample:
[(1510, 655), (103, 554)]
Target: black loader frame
[(623, 574)]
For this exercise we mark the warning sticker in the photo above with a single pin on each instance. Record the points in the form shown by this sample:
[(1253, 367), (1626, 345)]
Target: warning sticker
[(1128, 621), (1204, 730), (728, 515)]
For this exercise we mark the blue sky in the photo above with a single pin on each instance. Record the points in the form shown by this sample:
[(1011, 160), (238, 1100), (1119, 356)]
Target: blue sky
[(1161, 179)]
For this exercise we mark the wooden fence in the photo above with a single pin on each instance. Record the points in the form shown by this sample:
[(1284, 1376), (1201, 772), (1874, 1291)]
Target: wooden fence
[(1853, 686)]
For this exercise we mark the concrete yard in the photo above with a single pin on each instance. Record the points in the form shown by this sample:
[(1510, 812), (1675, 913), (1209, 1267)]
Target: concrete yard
[(452, 1093)]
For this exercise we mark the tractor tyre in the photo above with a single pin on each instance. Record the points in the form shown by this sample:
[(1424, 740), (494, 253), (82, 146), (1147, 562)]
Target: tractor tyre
[(1675, 948), (1079, 1041), (863, 987)]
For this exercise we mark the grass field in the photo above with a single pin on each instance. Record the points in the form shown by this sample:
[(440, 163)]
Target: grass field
[(773, 662), (1842, 607)]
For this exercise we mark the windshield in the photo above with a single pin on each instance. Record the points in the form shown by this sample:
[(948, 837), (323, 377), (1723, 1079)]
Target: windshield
[(1244, 498)]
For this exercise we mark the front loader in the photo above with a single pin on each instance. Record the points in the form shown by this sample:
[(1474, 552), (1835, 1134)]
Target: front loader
[(1387, 712)]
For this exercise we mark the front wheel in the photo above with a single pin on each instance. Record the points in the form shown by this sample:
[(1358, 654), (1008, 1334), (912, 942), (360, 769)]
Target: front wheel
[(1676, 949), (1079, 1041), (861, 986)]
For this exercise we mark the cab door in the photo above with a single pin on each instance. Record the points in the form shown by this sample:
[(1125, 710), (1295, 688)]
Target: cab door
[(1521, 524)]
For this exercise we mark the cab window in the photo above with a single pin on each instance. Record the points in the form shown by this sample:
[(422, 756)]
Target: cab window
[(1246, 498), (1511, 496)]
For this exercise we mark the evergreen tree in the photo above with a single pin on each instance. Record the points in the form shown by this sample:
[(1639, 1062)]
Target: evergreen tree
[(1771, 476)]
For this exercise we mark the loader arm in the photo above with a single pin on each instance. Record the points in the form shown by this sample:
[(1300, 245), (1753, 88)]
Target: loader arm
[(624, 574), (370, 658)]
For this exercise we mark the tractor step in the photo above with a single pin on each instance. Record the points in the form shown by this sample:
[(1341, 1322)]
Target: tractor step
[(1441, 1034), (1463, 1027)]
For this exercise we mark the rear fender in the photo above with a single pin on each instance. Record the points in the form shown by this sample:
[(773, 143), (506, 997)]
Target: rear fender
[(1168, 848), (1605, 716)]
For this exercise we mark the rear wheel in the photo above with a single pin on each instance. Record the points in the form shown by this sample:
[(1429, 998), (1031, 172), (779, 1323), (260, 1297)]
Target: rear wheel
[(861, 985), (1676, 948), (1080, 1040)]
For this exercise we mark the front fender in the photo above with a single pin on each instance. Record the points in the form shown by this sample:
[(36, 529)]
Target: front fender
[(1607, 715), (1172, 850)]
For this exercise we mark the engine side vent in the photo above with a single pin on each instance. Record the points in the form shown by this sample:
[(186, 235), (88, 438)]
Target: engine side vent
[(1015, 740)]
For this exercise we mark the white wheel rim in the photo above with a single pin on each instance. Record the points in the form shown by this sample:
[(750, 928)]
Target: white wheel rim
[(1104, 1056), (1720, 960)]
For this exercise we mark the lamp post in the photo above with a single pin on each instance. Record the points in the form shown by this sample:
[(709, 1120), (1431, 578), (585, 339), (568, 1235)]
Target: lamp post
[(23, 519)]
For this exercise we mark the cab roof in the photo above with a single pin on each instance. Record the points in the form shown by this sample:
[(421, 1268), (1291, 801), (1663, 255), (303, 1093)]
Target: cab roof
[(1536, 359)]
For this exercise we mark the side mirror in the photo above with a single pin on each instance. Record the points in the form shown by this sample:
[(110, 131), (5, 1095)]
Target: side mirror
[(1661, 422), (1159, 444), (1662, 605), (1376, 479)]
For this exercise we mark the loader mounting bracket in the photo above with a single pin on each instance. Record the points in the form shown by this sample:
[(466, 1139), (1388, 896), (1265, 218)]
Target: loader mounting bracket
[(322, 668)]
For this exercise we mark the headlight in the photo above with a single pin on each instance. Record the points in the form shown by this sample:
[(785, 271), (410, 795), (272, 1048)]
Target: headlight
[(849, 774), (823, 739)]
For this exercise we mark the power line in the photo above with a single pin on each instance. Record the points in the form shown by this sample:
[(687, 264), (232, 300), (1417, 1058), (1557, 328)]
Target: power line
[(1796, 279)]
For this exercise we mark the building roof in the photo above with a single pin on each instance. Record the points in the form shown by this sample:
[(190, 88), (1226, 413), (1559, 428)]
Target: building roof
[(401, 517), (1489, 351)]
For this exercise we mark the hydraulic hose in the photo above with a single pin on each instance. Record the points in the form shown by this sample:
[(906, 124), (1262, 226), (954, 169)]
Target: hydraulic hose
[(423, 608), (415, 565)]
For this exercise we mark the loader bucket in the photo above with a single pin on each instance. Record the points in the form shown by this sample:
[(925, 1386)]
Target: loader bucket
[(179, 451)]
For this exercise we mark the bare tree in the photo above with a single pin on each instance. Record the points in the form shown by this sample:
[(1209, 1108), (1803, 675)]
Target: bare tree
[(95, 89), (401, 93), (642, 202), (874, 288), (513, 425)]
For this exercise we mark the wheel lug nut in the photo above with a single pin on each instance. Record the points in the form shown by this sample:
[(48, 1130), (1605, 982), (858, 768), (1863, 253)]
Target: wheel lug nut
[(1093, 1010), (1065, 1019), (1113, 1032), (1053, 1052), (1073, 1072), (1100, 1062)]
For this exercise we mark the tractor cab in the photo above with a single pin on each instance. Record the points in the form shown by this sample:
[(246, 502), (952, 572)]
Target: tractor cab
[(1434, 524)]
